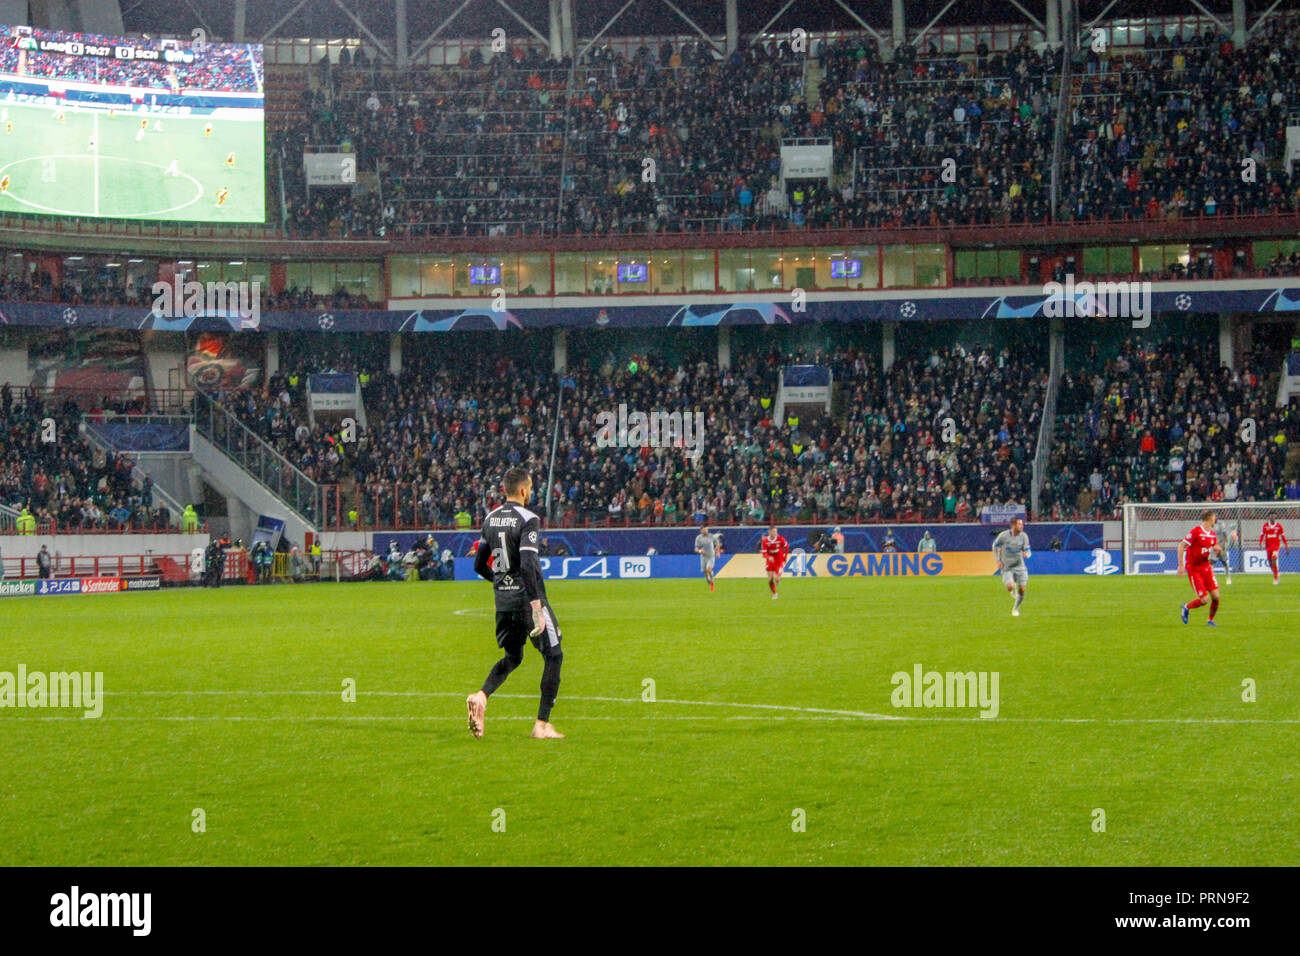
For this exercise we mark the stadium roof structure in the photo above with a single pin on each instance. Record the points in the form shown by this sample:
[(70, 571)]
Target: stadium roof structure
[(397, 28)]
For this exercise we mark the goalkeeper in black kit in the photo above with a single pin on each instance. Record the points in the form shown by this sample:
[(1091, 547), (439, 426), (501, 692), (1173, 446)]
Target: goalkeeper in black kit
[(507, 556)]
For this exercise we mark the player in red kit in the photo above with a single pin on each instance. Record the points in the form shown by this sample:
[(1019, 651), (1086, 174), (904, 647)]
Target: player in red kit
[(775, 551), (1196, 552), (1272, 537)]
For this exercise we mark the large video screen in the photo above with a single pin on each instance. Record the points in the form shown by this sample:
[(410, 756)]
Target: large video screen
[(130, 128)]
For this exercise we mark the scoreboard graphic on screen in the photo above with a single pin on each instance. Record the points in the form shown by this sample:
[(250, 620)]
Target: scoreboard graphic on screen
[(130, 128)]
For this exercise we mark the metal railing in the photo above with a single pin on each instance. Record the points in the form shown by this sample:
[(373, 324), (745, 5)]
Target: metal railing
[(1058, 134), (1047, 426), (263, 463), (387, 507), (142, 404)]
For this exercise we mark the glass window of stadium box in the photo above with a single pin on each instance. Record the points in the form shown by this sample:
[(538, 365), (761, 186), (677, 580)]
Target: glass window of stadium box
[(317, 278), (1158, 258), (434, 275), (734, 271), (900, 266), (570, 273), (847, 268), (77, 270), (1107, 260), (600, 273), (965, 264), (534, 273), (111, 274), (1267, 250), (324, 278), (363, 279), (238, 270), (140, 274), (666, 275), (404, 277), (983, 264), (632, 273), (297, 275), (700, 274), (799, 268), (931, 265), (771, 270), (1124, 33), (483, 275)]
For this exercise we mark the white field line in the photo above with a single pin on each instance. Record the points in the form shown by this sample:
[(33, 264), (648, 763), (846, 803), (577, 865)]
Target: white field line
[(777, 717), (800, 713)]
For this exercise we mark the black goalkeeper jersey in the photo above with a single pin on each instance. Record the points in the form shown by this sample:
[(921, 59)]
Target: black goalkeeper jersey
[(510, 536)]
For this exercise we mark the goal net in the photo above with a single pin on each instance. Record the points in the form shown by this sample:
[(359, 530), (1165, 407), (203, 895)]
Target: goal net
[(1152, 534)]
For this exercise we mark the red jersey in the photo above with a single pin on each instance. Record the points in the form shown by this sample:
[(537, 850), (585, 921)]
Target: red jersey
[(1273, 537), (775, 551), (1199, 543)]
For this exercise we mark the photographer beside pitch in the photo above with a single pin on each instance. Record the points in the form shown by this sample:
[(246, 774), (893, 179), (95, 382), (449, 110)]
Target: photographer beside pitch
[(507, 556)]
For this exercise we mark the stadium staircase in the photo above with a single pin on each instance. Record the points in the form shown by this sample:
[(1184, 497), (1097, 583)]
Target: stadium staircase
[(813, 74), (170, 471), (243, 467), (1291, 468)]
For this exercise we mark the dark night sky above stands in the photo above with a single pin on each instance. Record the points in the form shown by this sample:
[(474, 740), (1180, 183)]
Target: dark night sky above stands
[(321, 18)]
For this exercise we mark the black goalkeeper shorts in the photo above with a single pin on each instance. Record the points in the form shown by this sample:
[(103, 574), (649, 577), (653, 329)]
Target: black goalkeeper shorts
[(513, 628)]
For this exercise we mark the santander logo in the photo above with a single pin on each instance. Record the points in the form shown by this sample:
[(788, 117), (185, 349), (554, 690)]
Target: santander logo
[(100, 585)]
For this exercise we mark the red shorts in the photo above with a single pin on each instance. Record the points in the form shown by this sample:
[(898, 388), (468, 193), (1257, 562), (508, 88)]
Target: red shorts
[(1272, 555), (1203, 580), (774, 567)]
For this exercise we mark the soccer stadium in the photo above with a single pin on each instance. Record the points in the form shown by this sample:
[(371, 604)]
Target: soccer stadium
[(813, 372)]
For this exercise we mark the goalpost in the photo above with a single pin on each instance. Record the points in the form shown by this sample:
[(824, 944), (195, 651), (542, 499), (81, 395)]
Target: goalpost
[(1152, 534)]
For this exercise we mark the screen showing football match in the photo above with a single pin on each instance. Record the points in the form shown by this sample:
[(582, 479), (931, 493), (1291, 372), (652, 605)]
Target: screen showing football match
[(130, 128)]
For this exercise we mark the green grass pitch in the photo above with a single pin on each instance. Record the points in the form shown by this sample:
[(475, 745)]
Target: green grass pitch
[(52, 169), (231, 701)]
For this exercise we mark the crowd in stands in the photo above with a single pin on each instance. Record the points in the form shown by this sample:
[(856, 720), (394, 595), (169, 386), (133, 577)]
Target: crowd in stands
[(945, 435), (937, 438), (1185, 128), (525, 145), (67, 484), (1282, 264), (939, 435), (1164, 423), (934, 139)]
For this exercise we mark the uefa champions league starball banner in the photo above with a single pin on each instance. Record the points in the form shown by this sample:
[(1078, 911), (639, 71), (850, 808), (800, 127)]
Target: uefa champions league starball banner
[(1257, 296)]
